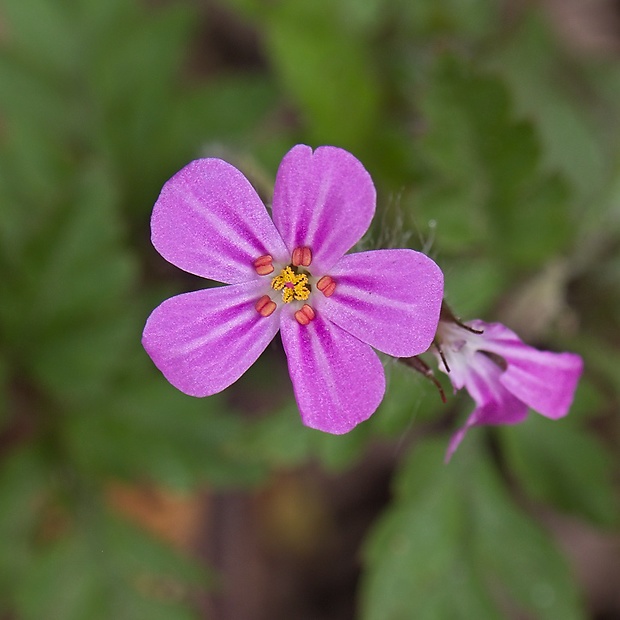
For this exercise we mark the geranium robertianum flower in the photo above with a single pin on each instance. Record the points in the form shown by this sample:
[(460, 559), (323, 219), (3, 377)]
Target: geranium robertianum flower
[(503, 375), (289, 274)]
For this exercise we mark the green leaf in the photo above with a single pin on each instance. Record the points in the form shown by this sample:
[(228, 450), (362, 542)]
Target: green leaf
[(4, 391), (137, 58), (486, 185), (326, 69), (33, 159), (67, 320), (44, 33), (338, 452), (521, 560), (418, 564), (146, 428), (564, 465), (453, 545), (469, 19), (472, 285), (280, 440), (539, 226), (30, 99), (227, 108), (108, 569), (24, 483), (550, 90), (455, 211)]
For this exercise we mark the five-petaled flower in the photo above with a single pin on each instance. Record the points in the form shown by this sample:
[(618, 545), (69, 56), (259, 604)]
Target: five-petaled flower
[(504, 376), (290, 274)]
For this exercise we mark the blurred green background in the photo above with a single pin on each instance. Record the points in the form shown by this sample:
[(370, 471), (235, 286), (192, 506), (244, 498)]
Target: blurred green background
[(491, 131)]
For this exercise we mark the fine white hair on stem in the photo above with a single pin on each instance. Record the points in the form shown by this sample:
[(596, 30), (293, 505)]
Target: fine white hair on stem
[(394, 227)]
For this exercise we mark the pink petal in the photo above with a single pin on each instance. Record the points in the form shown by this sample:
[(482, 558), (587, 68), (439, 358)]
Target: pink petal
[(338, 380), (495, 404), (205, 340), (455, 442), (544, 380), (389, 299), (323, 200), (209, 221)]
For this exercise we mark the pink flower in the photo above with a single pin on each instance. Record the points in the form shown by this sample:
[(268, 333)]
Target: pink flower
[(503, 375), (289, 274)]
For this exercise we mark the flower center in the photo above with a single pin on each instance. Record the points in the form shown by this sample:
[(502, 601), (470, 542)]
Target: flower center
[(294, 283), (294, 286)]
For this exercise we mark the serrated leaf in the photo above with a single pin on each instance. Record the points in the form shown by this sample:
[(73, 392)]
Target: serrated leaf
[(453, 545), (520, 558), (418, 566), (489, 162), (563, 465)]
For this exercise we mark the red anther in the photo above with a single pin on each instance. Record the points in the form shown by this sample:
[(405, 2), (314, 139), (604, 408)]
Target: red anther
[(329, 290), (305, 315), (308, 311), (323, 283), (264, 265), (265, 306), (302, 256), (326, 285)]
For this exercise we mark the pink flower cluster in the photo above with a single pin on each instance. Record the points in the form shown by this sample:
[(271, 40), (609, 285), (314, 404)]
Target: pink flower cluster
[(292, 273)]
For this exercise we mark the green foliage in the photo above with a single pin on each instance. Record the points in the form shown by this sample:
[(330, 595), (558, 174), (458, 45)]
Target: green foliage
[(488, 185), (536, 72), (110, 570), (277, 441), (495, 149), (564, 466), (469, 20), (23, 481), (454, 545), (148, 430), (327, 69)]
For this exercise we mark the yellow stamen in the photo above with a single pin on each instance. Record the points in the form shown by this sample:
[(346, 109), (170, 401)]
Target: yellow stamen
[(294, 286)]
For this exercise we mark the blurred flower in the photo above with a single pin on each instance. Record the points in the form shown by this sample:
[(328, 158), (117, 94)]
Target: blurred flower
[(502, 374), (290, 274)]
